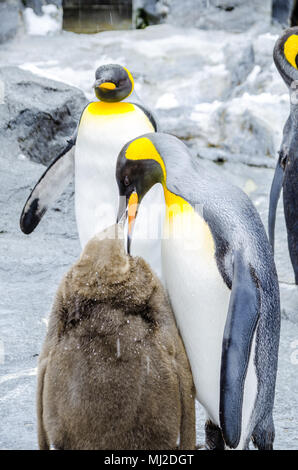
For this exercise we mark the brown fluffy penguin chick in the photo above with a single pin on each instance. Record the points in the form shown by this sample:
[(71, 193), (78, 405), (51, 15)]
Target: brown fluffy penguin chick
[(113, 373)]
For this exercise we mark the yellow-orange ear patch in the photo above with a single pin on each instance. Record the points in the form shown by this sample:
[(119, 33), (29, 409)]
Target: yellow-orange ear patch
[(143, 149), (131, 80), (291, 49)]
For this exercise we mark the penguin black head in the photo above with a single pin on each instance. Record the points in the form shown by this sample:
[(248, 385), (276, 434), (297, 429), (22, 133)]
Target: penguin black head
[(285, 55), (113, 83), (139, 167)]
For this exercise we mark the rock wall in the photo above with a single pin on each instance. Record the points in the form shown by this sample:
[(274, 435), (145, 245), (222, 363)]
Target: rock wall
[(229, 15), (232, 15)]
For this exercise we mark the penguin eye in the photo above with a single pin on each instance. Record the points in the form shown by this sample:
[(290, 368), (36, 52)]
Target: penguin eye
[(126, 181)]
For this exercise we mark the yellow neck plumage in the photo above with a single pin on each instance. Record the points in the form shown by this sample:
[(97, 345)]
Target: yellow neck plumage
[(100, 108)]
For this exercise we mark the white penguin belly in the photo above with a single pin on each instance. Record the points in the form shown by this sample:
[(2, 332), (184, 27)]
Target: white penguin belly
[(99, 141), (200, 301)]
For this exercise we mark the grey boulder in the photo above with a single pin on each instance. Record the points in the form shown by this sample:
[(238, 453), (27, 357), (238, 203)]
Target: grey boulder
[(9, 19), (37, 114)]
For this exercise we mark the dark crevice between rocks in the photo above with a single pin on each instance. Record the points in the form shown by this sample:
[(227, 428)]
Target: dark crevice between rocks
[(142, 20), (225, 7), (294, 16)]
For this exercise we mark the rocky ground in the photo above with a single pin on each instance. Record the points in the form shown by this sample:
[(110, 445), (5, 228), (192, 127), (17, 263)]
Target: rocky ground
[(216, 90)]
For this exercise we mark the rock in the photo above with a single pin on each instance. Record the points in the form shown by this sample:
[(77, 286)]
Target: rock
[(148, 12), (232, 15), (37, 116), (239, 62), (282, 11), (9, 19), (289, 302)]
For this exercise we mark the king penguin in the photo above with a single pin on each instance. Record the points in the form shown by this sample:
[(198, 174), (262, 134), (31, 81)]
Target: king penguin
[(222, 283), (91, 153), (286, 173)]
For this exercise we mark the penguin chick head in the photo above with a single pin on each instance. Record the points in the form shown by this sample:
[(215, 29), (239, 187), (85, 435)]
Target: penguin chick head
[(113, 83), (139, 167), (105, 272), (104, 256)]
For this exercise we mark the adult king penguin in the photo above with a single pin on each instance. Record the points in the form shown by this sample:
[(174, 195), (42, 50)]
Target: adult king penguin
[(222, 283), (286, 173), (105, 126)]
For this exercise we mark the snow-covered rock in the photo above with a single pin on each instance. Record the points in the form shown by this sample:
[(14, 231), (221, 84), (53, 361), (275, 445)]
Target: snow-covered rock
[(37, 5)]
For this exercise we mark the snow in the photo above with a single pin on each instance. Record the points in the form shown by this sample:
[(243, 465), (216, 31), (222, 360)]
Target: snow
[(167, 101), (49, 23)]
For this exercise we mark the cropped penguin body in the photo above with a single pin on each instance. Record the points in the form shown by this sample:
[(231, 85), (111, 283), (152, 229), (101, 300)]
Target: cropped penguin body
[(286, 174), (113, 373), (222, 283), (91, 154)]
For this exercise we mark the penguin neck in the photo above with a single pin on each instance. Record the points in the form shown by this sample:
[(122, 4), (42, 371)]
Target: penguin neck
[(103, 107), (177, 211), (175, 205), (183, 222)]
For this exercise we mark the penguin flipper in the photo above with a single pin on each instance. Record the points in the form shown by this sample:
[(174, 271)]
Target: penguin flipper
[(51, 184), (152, 118), (242, 319), (274, 197)]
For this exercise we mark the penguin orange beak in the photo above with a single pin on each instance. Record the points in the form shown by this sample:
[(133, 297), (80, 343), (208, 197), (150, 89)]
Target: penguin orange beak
[(132, 210), (104, 85), (108, 86), (129, 210)]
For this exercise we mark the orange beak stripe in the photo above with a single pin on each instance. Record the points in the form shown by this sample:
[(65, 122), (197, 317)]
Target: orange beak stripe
[(132, 210)]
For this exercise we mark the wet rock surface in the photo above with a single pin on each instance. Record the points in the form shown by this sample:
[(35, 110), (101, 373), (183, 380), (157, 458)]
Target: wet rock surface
[(218, 91)]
